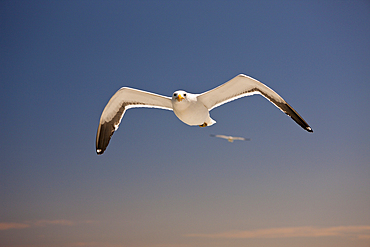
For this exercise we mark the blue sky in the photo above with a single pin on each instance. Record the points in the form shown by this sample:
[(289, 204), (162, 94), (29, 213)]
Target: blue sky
[(162, 183)]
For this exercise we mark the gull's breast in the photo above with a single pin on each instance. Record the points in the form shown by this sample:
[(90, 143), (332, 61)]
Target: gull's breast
[(193, 114)]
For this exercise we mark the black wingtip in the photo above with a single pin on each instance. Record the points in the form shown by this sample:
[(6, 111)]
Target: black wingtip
[(309, 129), (103, 136), (285, 107)]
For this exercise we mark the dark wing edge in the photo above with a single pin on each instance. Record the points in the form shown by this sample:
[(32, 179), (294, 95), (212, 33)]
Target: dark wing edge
[(288, 110), (106, 130), (281, 104)]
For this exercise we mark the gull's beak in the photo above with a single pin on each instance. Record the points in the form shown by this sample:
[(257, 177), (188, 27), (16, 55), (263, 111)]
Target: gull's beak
[(179, 97)]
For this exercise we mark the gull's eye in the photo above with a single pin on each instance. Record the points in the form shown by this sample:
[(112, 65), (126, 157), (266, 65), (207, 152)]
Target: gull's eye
[(184, 94), (175, 94)]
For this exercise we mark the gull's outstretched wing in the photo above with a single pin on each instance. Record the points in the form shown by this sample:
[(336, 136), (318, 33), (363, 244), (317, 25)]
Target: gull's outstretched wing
[(240, 138), (220, 136), (241, 86), (125, 98)]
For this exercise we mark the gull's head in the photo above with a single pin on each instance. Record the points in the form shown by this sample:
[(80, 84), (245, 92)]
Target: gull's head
[(179, 96), (182, 100)]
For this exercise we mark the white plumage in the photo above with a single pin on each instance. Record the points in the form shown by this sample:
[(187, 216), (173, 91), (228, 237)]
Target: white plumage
[(192, 109)]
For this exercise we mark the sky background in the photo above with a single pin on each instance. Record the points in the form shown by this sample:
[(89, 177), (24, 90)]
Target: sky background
[(162, 183)]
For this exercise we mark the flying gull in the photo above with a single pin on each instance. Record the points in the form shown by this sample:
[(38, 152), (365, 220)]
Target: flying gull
[(192, 109), (231, 138)]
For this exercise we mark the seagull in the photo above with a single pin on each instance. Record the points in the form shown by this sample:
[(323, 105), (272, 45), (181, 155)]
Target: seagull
[(192, 109), (231, 138)]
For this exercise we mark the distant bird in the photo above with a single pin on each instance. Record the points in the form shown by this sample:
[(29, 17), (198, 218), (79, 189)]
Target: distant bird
[(192, 109), (231, 138)]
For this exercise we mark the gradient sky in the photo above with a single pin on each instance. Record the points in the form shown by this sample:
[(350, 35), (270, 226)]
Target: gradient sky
[(162, 183)]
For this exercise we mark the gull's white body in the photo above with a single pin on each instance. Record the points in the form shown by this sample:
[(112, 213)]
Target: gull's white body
[(192, 109)]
